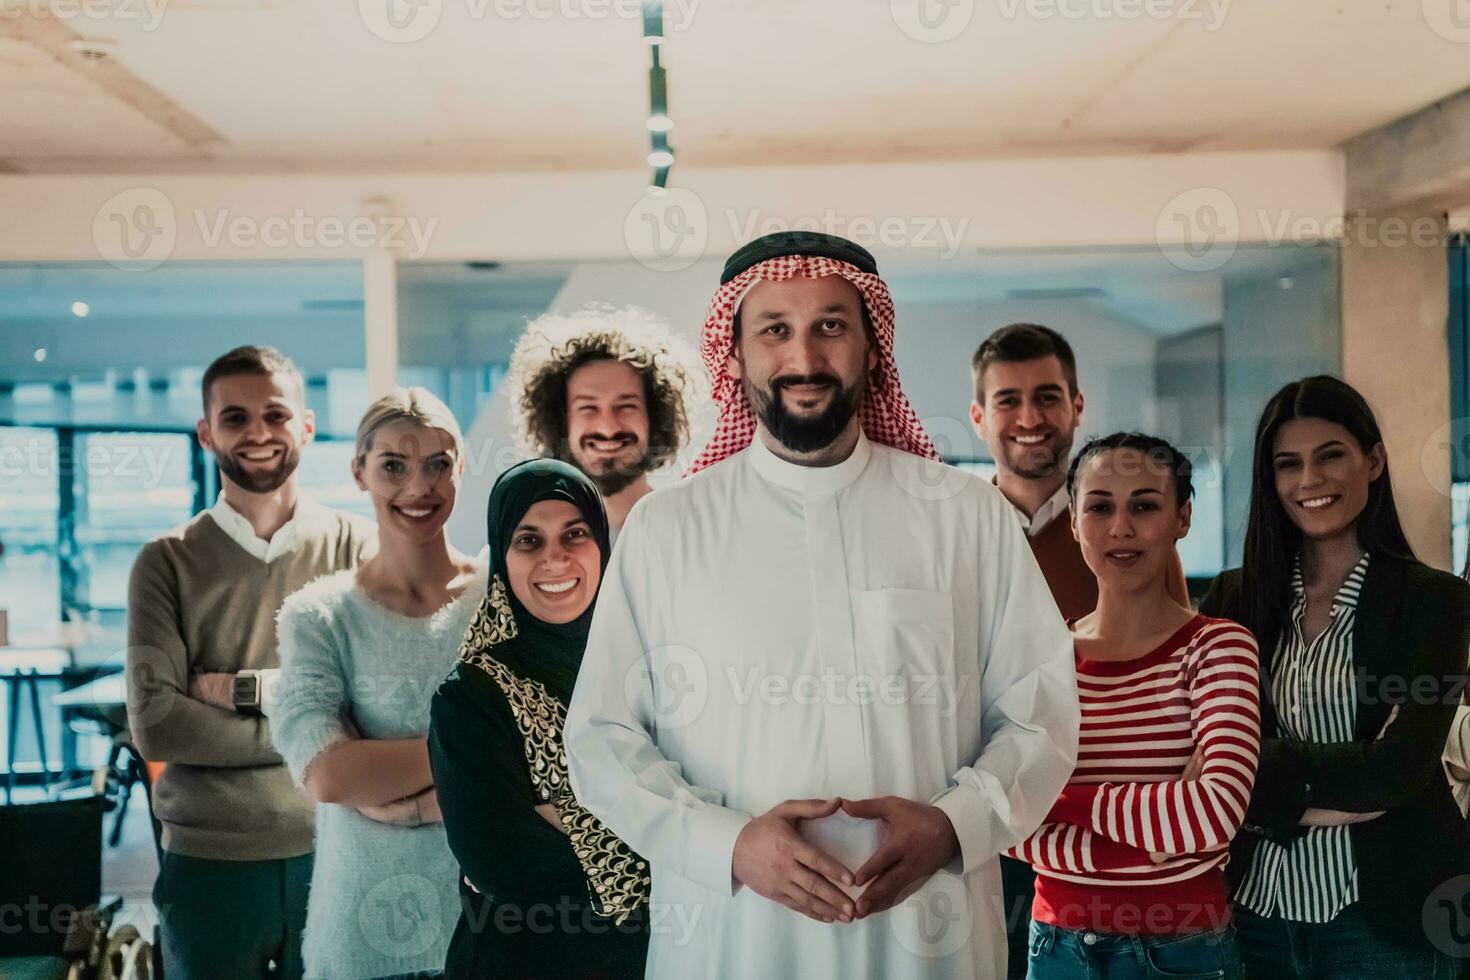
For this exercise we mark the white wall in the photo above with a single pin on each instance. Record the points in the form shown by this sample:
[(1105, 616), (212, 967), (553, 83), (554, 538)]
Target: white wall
[(994, 204)]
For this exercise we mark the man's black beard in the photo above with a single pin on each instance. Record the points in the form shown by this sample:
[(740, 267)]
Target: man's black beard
[(806, 435), (266, 482), (616, 479)]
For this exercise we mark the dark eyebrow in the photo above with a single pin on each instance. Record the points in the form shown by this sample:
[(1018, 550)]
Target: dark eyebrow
[(1148, 490), (275, 402), (830, 308), (1049, 386), (1098, 493), (620, 396), (395, 454), (1326, 445), (574, 522)]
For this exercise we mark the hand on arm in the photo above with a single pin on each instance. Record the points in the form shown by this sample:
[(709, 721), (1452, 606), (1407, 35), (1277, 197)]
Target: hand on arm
[(1397, 768), (773, 861), (169, 723), (369, 772), (1325, 817), (1225, 727), (914, 841), (551, 815), (411, 811)]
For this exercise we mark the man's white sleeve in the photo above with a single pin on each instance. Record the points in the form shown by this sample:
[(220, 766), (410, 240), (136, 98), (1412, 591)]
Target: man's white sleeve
[(1028, 696), (617, 770)]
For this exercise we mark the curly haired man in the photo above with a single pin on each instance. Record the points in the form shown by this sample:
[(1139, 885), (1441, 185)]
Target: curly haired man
[(606, 390)]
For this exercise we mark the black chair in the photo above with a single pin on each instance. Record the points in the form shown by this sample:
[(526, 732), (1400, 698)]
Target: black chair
[(125, 766), (52, 874)]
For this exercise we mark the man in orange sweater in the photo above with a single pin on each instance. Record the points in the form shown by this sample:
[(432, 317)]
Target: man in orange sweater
[(1027, 408)]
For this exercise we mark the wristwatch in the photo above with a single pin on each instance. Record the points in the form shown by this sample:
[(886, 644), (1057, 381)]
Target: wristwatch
[(246, 693)]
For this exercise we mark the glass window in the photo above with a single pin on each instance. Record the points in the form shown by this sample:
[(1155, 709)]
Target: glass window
[(30, 580), (326, 473), (131, 487), (458, 322)]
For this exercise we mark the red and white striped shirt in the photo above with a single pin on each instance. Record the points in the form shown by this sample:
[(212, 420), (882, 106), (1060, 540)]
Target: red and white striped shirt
[(1142, 720)]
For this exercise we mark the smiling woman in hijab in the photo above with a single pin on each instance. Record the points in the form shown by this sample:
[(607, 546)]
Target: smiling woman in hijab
[(546, 889)]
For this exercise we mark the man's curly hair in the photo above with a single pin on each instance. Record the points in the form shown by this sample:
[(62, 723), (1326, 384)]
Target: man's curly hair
[(555, 345)]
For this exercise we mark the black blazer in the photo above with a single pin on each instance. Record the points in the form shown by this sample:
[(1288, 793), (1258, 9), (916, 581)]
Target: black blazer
[(1411, 638)]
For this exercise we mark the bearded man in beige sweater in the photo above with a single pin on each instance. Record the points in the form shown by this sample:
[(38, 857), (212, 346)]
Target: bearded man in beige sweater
[(202, 603)]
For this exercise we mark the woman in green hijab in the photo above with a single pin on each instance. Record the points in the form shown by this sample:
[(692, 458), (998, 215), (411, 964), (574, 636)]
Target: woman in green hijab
[(547, 890)]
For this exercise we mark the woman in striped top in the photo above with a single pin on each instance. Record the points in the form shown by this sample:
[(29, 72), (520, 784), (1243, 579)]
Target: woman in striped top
[(1129, 863), (1350, 859)]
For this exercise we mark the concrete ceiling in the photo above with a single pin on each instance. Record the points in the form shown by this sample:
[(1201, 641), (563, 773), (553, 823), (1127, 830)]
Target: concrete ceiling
[(291, 86)]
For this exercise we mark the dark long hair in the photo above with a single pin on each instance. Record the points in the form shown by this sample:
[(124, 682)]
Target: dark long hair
[(1272, 541)]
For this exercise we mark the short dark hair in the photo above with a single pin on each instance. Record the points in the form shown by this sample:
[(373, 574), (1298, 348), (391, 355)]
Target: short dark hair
[(260, 361), (1023, 342), (1159, 455)]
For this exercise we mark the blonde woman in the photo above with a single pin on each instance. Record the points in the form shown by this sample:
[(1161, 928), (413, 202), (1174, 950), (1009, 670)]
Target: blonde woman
[(361, 655)]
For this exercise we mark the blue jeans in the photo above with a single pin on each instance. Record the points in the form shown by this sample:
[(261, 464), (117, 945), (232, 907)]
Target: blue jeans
[(1075, 954), (1343, 949)]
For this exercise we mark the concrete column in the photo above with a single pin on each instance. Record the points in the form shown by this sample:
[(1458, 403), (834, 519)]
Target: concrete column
[(1395, 300), (380, 319)]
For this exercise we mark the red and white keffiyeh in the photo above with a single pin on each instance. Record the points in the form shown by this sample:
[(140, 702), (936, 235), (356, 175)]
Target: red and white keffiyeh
[(885, 414)]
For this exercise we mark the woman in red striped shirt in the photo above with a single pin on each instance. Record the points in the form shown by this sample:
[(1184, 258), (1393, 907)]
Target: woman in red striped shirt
[(1130, 880)]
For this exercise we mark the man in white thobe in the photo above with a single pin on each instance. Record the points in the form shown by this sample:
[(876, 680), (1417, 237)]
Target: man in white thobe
[(826, 684)]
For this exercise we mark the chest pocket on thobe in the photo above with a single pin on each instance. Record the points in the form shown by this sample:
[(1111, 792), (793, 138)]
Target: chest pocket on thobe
[(904, 633)]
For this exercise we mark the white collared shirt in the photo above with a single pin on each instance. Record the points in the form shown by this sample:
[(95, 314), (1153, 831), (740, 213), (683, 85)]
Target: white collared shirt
[(233, 523), (1050, 509)]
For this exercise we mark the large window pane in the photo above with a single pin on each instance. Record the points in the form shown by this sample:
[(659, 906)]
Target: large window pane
[(137, 485), (30, 581)]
